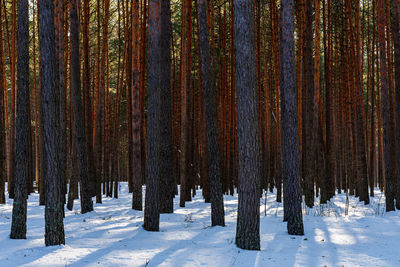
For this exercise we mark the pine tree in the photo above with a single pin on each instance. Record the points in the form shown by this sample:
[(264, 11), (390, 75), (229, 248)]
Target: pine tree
[(396, 41), (213, 158), (385, 98), (79, 126), (54, 226), (248, 220), (290, 143), (3, 175), (166, 175), (18, 226), (151, 211)]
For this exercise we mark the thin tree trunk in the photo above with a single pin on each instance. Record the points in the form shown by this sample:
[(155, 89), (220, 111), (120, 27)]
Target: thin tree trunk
[(309, 129), (396, 40), (3, 91), (136, 162)]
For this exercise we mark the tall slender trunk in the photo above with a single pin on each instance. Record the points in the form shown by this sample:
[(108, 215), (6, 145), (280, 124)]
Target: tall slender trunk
[(18, 226), (396, 40), (87, 88), (54, 230), (151, 211), (11, 142), (166, 175), (185, 99), (3, 174), (79, 125), (59, 29), (385, 98), (248, 219), (309, 129), (289, 135), (213, 159)]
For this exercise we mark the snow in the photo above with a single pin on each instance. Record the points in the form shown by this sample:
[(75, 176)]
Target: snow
[(112, 236)]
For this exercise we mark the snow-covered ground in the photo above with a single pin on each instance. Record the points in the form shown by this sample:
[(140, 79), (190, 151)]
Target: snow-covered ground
[(112, 236)]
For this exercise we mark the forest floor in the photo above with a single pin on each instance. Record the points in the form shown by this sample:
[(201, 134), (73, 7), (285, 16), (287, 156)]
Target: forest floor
[(112, 236)]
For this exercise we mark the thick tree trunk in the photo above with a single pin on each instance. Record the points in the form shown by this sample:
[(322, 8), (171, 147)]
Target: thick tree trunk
[(151, 211), (166, 175), (79, 126), (213, 159), (54, 229), (248, 220), (18, 226), (290, 139)]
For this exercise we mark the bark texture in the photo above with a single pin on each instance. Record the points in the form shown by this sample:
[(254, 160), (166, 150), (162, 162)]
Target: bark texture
[(248, 220), (385, 100), (166, 175), (18, 225), (210, 107), (151, 211), (79, 125), (54, 226), (289, 134)]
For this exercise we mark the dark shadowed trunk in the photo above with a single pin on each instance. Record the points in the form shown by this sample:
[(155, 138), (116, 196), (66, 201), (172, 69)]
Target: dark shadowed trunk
[(309, 129), (54, 226), (3, 174), (87, 88), (385, 99), (396, 41), (248, 219), (79, 126), (61, 91), (135, 154), (151, 211), (18, 226), (166, 175), (213, 160), (289, 134)]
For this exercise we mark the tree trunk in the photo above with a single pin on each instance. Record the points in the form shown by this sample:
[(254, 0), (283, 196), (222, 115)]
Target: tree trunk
[(151, 211), (3, 174), (166, 175), (248, 219), (79, 126), (290, 142), (396, 40), (385, 98), (309, 129), (54, 226), (18, 226), (136, 126), (213, 159)]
